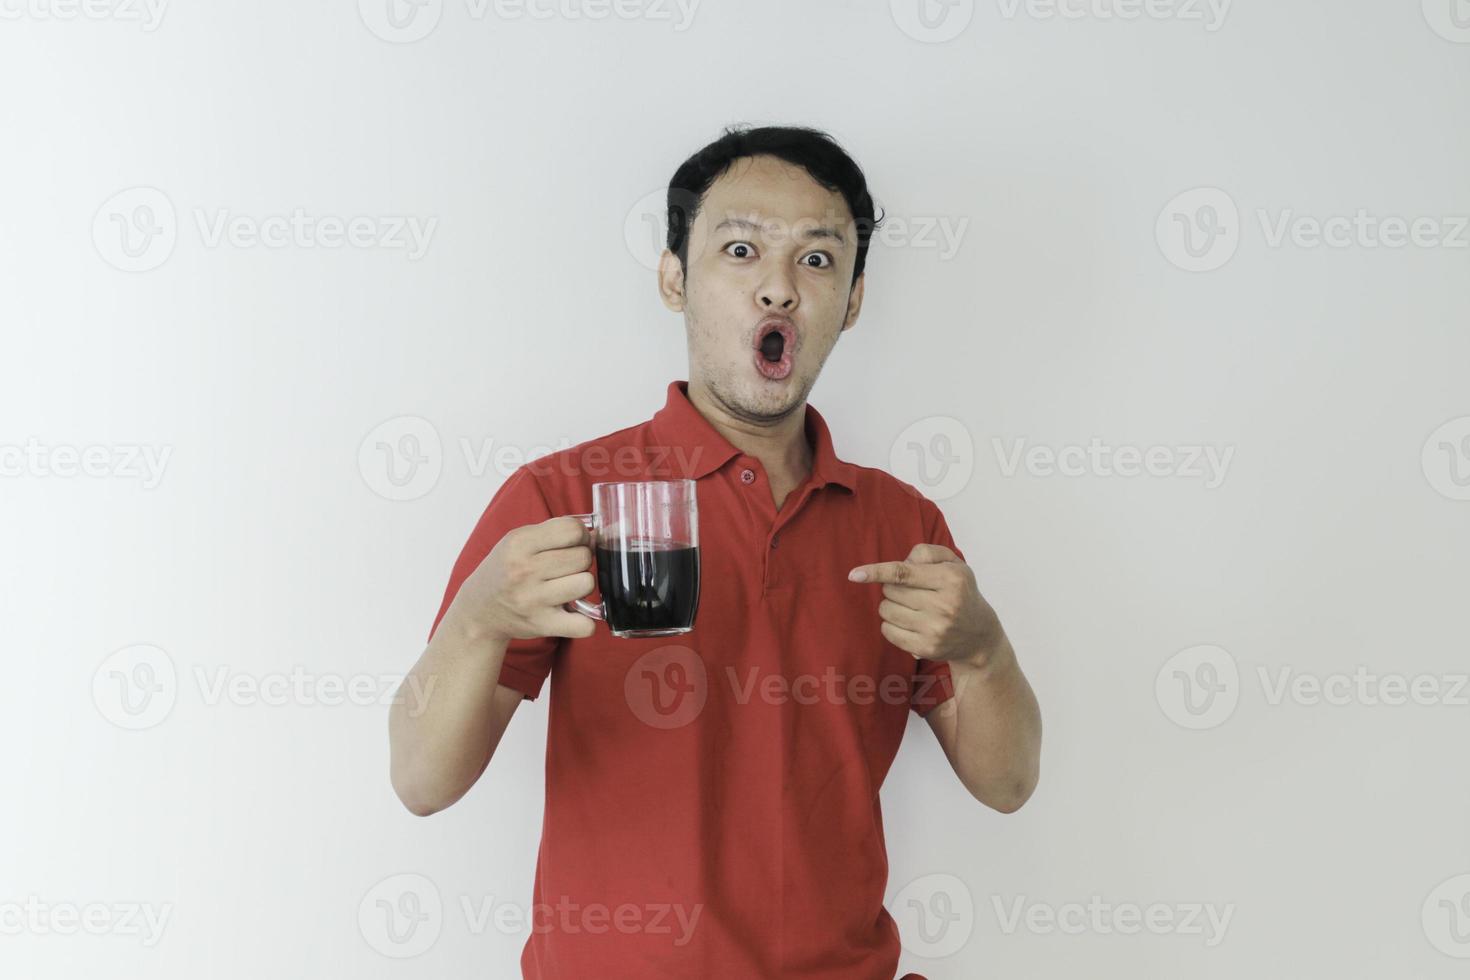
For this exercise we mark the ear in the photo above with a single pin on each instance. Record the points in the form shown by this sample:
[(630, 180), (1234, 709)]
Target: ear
[(854, 301), (671, 281)]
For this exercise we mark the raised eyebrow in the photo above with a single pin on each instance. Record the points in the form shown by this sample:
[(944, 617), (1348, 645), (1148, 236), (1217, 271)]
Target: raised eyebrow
[(808, 234)]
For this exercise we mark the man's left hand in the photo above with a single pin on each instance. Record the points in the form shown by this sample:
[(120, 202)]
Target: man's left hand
[(932, 607)]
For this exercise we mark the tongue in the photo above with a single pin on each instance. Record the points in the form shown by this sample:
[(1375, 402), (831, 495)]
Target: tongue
[(772, 345)]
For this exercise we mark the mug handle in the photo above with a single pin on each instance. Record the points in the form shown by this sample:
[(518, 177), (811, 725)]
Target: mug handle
[(582, 606)]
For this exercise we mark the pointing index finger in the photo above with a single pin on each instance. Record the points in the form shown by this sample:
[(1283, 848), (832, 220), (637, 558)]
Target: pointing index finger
[(895, 573)]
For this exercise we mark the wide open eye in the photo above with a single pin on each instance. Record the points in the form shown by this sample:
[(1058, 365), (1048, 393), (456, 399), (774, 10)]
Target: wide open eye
[(749, 250), (826, 262)]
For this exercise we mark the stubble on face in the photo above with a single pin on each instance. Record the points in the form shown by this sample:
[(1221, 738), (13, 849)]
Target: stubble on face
[(725, 300)]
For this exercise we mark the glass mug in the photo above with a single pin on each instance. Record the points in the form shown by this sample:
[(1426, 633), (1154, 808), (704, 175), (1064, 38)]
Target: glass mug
[(645, 537)]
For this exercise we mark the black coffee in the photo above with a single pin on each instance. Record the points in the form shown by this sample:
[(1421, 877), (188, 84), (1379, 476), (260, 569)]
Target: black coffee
[(649, 588)]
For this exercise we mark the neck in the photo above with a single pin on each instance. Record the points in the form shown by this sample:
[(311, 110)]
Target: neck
[(780, 444)]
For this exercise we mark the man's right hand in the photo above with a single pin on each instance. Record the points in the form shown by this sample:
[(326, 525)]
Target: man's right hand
[(518, 591)]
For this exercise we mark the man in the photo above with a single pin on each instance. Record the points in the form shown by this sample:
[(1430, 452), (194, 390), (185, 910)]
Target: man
[(712, 801)]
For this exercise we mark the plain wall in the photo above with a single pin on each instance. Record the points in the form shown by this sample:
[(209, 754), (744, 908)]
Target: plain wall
[(1173, 624)]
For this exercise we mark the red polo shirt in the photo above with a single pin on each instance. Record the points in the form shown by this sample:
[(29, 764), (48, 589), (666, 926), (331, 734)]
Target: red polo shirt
[(712, 803)]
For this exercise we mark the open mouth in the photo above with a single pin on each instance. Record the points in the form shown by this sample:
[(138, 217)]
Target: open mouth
[(775, 340)]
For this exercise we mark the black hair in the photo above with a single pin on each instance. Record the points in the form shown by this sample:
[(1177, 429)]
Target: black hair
[(811, 149)]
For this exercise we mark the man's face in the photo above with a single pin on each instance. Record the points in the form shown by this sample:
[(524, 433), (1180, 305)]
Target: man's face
[(770, 247)]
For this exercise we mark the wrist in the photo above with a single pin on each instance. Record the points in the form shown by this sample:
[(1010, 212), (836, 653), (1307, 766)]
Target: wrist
[(471, 629), (994, 659)]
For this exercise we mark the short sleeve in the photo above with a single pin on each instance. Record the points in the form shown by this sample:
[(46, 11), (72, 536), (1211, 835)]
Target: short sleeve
[(932, 685), (518, 502)]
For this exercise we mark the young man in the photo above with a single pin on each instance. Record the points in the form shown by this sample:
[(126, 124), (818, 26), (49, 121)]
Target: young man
[(712, 806)]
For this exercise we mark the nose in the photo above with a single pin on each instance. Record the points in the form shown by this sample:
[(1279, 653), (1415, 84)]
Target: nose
[(778, 292)]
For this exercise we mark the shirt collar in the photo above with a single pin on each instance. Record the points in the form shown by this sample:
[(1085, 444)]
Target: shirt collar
[(690, 437)]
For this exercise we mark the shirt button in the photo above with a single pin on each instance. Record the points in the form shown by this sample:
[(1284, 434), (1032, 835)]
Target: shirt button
[(775, 540), (747, 476)]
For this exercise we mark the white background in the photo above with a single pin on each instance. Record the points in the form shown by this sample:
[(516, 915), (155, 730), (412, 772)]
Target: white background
[(1070, 309)]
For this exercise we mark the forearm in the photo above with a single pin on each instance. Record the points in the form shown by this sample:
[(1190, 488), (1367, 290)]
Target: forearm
[(998, 729), (443, 726)]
